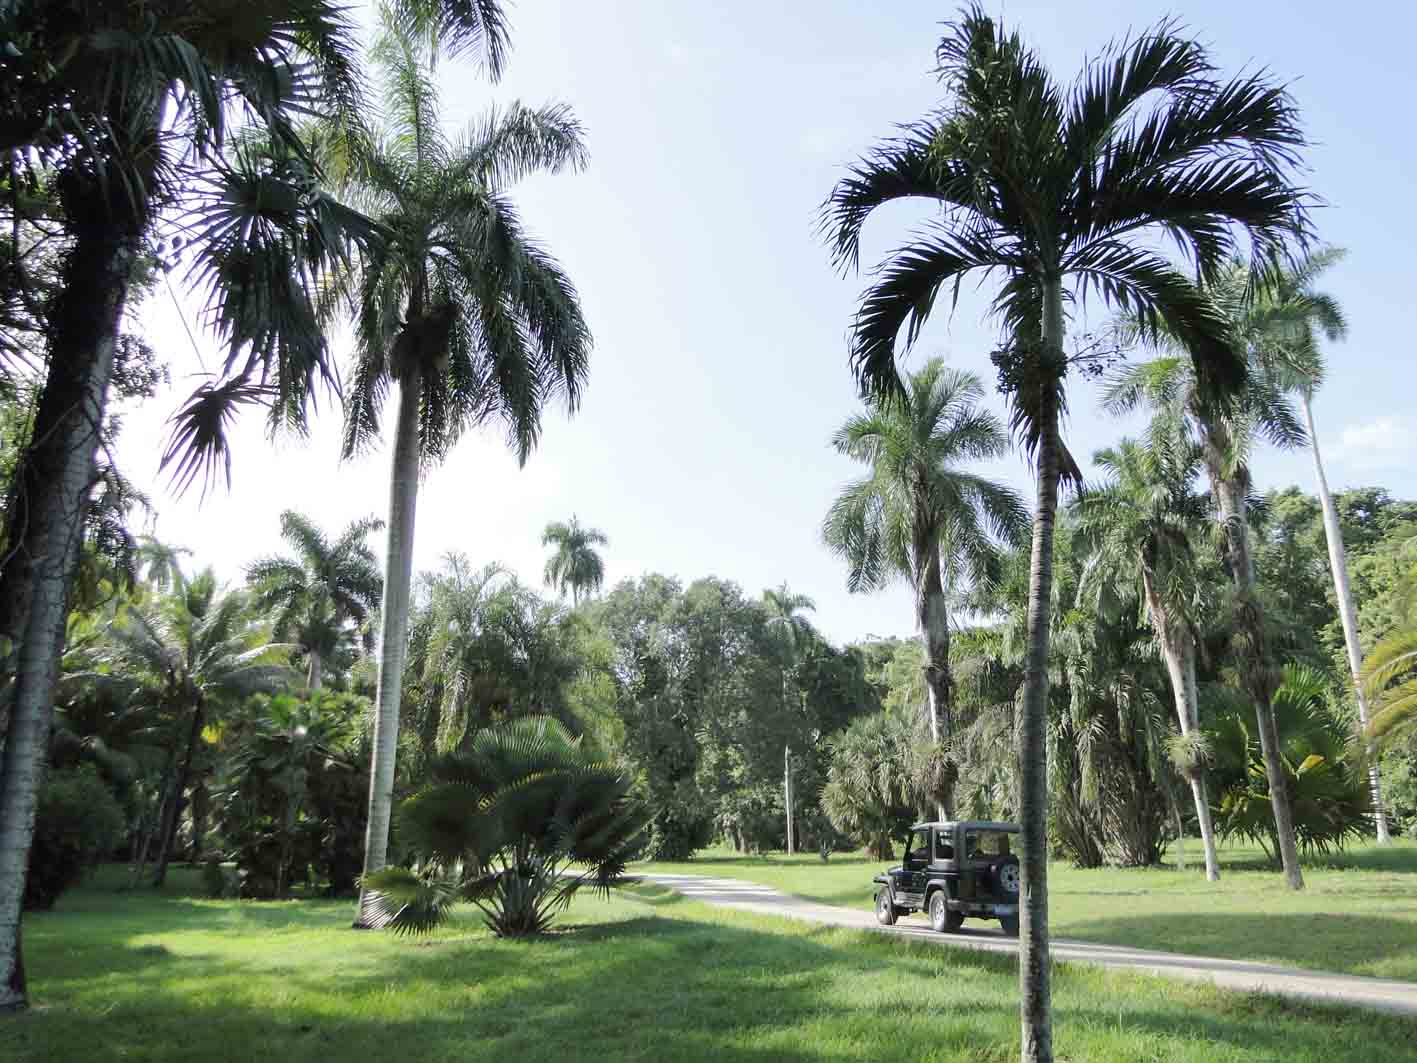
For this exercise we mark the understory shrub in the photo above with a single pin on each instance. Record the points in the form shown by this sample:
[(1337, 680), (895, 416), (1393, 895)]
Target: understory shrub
[(77, 823)]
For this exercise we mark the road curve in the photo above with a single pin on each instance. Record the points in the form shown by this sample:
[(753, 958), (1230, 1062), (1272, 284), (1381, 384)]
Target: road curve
[(1382, 994)]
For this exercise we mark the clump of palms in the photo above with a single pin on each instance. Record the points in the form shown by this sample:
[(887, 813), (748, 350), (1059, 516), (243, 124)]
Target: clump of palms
[(574, 564), (189, 655), (1140, 528), (514, 824), (459, 307), (1060, 192), (316, 595), (869, 794), (919, 517)]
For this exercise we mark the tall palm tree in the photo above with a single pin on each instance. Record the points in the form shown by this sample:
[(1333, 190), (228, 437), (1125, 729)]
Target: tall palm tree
[(1282, 319), (1061, 192), (460, 307), (793, 633), (196, 652), (125, 114), (921, 518), (1140, 527), (575, 564), (1227, 435), (319, 592)]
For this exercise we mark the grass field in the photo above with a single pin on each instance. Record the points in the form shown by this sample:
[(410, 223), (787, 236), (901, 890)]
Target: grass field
[(643, 975), (1357, 914)]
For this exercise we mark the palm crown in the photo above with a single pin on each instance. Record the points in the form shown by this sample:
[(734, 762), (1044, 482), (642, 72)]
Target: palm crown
[(575, 563)]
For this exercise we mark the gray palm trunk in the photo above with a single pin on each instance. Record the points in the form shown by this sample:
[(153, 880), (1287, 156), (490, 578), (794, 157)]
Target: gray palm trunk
[(315, 677), (1178, 648), (787, 794), (1035, 988), (393, 637), (932, 618), (1338, 565), (47, 532), (1256, 671)]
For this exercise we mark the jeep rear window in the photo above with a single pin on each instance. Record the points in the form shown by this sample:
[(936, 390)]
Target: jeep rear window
[(987, 843)]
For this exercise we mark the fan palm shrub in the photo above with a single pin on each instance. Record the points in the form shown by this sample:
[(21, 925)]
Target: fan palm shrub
[(1059, 192), (514, 824), (868, 794)]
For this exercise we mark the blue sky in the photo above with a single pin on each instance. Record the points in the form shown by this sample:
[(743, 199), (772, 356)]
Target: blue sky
[(720, 370)]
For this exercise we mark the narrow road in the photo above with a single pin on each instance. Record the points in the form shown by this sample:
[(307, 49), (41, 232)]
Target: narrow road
[(1383, 994)]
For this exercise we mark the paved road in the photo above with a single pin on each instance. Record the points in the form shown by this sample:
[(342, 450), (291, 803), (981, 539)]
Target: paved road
[(1378, 993)]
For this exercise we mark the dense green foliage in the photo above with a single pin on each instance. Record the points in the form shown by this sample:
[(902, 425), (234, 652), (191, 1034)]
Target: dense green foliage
[(77, 824)]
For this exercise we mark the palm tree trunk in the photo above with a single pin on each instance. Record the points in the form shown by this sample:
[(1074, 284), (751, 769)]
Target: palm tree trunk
[(1252, 653), (315, 677), (933, 620), (393, 638), (174, 805), (1338, 565), (787, 793), (1178, 648), (1035, 989), (44, 530)]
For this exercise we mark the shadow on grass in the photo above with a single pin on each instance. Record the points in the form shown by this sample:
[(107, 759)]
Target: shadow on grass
[(656, 984)]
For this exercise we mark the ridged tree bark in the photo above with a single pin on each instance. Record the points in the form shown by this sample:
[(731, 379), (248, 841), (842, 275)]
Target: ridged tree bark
[(1338, 565), (393, 637), (1257, 674), (1035, 983), (44, 532), (1178, 649)]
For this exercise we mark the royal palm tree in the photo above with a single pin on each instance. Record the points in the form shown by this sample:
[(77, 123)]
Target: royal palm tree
[(1140, 527), (318, 593), (793, 633), (1282, 320), (194, 654), (460, 308), (124, 113), (921, 518), (1061, 192), (575, 564), (1227, 435)]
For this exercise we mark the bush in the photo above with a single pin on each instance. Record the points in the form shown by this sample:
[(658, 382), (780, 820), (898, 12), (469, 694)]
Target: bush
[(77, 823)]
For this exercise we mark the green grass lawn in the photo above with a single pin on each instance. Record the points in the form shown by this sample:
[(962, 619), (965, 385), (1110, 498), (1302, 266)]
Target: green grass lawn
[(644, 975), (1357, 914)]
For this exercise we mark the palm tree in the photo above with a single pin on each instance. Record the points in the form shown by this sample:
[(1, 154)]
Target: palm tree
[(1389, 675), (194, 654), (575, 564), (1065, 192), (122, 114), (1140, 526), (918, 517), (317, 594), (472, 319), (793, 632), (1227, 434), (1282, 319)]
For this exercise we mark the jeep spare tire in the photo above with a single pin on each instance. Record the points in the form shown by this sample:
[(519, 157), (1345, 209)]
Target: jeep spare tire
[(1006, 878)]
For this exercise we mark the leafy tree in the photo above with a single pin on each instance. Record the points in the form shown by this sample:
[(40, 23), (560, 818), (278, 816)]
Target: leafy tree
[(1066, 191), (460, 307), (317, 594), (868, 794), (77, 824), (1140, 527), (574, 564), (502, 824), (921, 518)]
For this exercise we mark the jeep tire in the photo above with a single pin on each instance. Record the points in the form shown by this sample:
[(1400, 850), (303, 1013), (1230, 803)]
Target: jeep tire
[(941, 918), (1009, 924), (885, 910)]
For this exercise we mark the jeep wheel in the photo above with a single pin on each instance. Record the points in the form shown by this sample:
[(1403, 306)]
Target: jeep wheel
[(1010, 925), (885, 910), (941, 918)]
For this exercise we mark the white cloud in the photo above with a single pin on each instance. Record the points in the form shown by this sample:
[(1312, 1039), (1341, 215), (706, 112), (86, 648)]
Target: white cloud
[(1383, 441)]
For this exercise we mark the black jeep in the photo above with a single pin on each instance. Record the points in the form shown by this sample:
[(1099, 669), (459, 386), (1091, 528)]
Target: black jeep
[(954, 870)]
